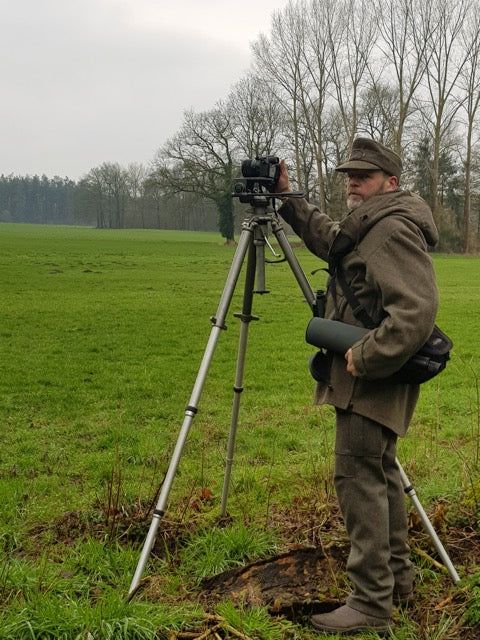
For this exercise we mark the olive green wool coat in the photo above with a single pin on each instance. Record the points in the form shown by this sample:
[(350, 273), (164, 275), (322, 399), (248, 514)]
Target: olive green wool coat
[(392, 276)]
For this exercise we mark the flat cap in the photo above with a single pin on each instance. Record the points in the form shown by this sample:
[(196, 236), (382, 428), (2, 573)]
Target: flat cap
[(368, 155)]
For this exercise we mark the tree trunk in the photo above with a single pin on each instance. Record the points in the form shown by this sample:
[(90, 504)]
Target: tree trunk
[(467, 195), (224, 205)]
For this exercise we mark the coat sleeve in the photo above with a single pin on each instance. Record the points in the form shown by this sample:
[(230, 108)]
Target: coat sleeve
[(315, 228), (403, 274)]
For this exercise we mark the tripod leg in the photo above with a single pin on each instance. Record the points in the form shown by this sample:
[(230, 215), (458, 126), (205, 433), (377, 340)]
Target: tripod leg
[(245, 317), (191, 410), (277, 229), (410, 491), (256, 265)]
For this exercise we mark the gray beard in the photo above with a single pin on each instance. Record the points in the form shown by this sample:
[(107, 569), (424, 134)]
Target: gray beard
[(353, 203)]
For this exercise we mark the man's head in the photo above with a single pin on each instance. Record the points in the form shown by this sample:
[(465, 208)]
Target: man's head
[(371, 169)]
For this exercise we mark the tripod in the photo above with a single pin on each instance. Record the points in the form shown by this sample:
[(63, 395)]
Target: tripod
[(253, 239)]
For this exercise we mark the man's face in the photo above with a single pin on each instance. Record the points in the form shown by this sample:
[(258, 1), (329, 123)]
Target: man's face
[(362, 185)]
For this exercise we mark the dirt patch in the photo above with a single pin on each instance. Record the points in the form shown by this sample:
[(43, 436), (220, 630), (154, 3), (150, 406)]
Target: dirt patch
[(69, 528), (289, 584)]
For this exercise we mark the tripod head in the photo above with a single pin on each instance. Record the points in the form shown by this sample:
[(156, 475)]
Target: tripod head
[(262, 198)]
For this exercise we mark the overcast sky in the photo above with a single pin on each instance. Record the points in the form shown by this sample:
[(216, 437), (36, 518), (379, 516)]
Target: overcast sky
[(91, 81)]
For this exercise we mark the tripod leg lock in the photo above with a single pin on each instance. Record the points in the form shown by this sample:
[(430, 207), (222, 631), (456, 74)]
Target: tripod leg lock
[(191, 410), (213, 320), (245, 317)]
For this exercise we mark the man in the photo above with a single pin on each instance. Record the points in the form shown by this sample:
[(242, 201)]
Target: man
[(381, 249)]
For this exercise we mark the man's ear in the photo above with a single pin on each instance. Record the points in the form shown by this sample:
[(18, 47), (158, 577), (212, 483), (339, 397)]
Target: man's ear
[(392, 183)]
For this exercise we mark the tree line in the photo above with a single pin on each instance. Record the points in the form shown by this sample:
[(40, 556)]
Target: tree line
[(104, 198), (37, 199), (405, 72)]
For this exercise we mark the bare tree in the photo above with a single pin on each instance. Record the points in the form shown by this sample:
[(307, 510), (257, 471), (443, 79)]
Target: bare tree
[(107, 186), (318, 62), (280, 58), (200, 159), (352, 38), (403, 29), (379, 113), (446, 61), (205, 155), (90, 189), (470, 83), (316, 56), (259, 118), (135, 177)]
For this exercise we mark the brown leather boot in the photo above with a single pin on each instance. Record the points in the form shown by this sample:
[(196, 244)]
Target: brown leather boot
[(346, 620)]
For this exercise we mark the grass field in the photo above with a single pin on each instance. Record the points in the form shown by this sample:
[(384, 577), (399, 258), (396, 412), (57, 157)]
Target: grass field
[(101, 336)]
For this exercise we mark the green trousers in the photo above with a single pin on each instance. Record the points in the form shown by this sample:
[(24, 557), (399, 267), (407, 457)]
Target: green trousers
[(372, 501)]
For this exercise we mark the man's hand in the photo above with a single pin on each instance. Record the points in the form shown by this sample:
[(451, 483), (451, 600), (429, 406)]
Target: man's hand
[(283, 184), (350, 366)]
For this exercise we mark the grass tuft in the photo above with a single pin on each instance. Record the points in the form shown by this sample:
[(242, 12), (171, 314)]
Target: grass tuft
[(211, 551), (254, 622)]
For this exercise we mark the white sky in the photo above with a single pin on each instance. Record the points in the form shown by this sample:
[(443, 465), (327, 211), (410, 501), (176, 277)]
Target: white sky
[(89, 81)]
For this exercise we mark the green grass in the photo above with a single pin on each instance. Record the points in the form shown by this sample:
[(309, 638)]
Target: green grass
[(212, 551), (101, 336)]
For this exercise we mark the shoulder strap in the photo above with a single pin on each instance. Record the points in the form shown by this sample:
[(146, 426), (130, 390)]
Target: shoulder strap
[(358, 309), (342, 245)]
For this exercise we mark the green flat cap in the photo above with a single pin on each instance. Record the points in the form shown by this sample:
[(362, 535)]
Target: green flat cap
[(368, 155)]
